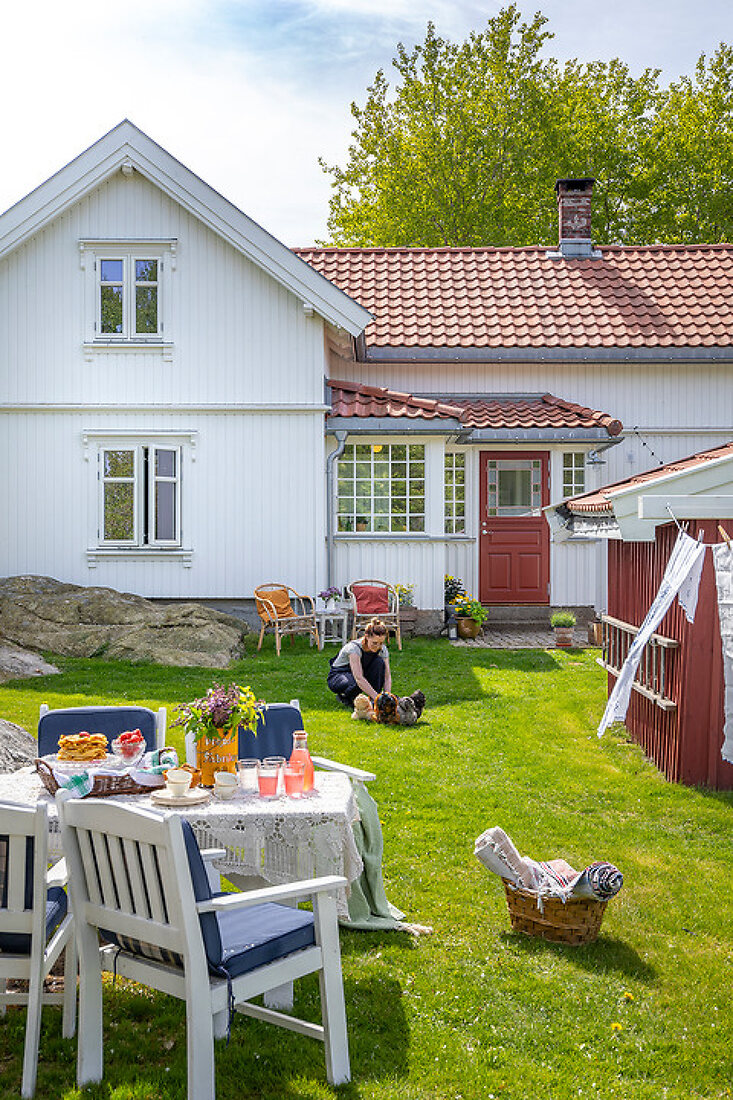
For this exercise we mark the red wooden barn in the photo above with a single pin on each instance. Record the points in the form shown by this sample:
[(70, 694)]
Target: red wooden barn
[(677, 708)]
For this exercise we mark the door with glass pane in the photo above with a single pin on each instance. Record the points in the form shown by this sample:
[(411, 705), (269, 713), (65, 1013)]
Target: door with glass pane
[(514, 544)]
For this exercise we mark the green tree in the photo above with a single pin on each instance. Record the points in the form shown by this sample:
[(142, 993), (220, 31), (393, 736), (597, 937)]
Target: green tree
[(467, 145)]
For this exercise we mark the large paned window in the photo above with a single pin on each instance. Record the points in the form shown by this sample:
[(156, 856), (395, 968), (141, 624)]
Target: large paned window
[(573, 473), (140, 495), (381, 488), (455, 493), (128, 297)]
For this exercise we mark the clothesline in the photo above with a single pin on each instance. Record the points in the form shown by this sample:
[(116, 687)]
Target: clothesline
[(683, 529)]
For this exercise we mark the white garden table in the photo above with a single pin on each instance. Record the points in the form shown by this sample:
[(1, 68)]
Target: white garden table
[(279, 841)]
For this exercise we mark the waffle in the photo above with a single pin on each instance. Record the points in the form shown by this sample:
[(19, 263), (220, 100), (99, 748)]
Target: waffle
[(82, 746)]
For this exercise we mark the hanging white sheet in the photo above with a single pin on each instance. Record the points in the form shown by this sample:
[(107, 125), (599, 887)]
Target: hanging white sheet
[(682, 575), (723, 560)]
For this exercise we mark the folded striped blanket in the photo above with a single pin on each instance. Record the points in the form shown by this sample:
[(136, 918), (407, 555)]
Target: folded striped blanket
[(552, 878)]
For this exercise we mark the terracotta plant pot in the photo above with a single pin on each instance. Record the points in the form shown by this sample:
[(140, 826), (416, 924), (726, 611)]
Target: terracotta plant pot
[(467, 628), (563, 637)]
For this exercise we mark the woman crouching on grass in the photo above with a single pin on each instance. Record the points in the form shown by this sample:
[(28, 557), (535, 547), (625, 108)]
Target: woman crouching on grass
[(362, 666)]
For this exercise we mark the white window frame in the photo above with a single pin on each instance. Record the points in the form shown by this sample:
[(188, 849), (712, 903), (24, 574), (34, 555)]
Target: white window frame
[(163, 253), (453, 524), (144, 481), (578, 467), (376, 447)]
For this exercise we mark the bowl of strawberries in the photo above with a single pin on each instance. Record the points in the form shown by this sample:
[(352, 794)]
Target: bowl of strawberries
[(129, 746)]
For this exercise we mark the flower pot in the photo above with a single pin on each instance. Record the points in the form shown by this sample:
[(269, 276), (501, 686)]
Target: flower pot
[(467, 628), (563, 637), (216, 754)]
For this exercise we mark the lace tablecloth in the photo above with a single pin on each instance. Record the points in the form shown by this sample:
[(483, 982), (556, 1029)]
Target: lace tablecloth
[(280, 841)]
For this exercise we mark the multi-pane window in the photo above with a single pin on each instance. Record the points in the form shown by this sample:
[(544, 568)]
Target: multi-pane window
[(573, 473), (455, 493), (381, 488), (140, 495), (128, 297), (513, 486)]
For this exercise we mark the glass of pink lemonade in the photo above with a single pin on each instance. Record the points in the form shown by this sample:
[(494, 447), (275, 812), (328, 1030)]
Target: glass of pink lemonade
[(268, 778), (294, 775)]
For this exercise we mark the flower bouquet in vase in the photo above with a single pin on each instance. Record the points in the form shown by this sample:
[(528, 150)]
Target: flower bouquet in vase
[(214, 721)]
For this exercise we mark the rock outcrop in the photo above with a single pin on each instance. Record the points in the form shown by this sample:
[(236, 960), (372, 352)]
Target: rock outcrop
[(17, 746), (45, 614)]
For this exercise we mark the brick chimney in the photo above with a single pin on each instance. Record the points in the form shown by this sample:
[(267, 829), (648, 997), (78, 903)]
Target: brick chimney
[(574, 199)]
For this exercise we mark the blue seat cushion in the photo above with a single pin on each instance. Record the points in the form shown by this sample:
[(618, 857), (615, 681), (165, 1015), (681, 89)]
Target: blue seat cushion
[(18, 943), (111, 721), (244, 939)]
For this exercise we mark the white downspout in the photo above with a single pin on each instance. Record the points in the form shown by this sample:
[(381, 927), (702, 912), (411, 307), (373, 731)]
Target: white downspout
[(341, 437)]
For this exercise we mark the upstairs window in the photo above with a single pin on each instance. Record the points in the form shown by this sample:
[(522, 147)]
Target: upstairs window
[(140, 496), (573, 473), (128, 297), (381, 488)]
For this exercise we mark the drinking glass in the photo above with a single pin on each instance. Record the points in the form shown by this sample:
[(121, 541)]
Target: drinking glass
[(269, 776), (247, 771), (294, 775)]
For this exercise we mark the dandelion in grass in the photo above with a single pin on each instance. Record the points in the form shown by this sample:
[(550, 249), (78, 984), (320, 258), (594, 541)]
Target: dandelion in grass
[(616, 1027)]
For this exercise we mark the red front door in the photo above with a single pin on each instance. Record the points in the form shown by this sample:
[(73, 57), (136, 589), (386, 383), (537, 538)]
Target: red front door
[(514, 545)]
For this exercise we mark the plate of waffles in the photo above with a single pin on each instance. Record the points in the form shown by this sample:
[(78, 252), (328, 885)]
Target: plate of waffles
[(73, 767)]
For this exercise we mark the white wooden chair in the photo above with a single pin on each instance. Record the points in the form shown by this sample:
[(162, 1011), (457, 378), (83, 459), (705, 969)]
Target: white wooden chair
[(374, 600), (128, 875), (111, 721), (35, 926)]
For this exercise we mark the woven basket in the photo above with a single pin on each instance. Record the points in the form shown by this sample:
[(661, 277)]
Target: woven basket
[(104, 785), (575, 922)]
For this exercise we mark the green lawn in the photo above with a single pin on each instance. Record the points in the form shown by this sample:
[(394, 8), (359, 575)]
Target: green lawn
[(473, 1011)]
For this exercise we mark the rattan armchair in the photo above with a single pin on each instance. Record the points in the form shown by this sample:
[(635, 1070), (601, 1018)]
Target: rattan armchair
[(285, 612), (375, 600)]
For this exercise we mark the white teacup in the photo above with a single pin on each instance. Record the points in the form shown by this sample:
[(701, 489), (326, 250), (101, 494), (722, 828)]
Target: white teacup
[(225, 785), (178, 782)]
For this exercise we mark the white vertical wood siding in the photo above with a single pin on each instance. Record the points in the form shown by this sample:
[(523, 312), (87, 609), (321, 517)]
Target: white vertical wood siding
[(252, 488), (250, 512)]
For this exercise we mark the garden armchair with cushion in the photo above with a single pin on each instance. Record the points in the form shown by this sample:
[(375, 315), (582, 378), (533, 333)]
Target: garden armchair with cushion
[(35, 926), (375, 600), (140, 877), (285, 612)]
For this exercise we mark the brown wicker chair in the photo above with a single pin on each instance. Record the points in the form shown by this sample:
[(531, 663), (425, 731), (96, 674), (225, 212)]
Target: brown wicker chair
[(285, 612), (375, 600)]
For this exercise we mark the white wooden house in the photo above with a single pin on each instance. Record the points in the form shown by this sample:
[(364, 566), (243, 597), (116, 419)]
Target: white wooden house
[(189, 408)]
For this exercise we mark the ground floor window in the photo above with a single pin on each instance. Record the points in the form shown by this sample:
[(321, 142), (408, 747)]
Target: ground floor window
[(455, 493), (573, 473), (139, 495), (381, 488)]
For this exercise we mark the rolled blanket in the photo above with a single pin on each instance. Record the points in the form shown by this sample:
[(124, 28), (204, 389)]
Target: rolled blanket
[(497, 853), (600, 881)]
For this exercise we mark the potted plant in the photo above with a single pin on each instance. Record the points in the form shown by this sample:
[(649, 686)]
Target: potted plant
[(214, 721), (408, 611), (562, 622), (452, 589), (331, 596), (470, 615)]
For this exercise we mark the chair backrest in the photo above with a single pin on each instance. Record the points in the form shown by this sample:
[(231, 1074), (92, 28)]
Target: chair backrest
[(23, 861), (126, 878), (372, 597), (277, 595), (111, 721), (275, 730)]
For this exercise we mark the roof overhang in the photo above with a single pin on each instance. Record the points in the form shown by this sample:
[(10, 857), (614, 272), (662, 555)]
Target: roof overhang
[(395, 425), (127, 145), (704, 491), (548, 355), (538, 435)]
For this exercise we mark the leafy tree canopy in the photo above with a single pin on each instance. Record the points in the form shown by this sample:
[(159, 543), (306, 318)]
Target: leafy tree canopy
[(466, 147)]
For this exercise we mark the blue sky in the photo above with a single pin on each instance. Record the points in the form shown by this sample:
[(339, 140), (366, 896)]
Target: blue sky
[(249, 93)]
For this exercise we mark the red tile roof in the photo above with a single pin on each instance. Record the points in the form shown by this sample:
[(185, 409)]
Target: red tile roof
[(543, 411), (662, 296), (600, 499)]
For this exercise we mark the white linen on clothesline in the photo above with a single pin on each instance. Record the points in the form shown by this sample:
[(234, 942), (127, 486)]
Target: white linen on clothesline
[(723, 562), (682, 575)]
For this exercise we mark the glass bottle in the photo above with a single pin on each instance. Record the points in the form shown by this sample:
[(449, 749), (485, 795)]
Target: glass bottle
[(300, 755)]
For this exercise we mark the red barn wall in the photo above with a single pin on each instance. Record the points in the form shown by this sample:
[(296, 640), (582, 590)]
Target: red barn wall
[(684, 744)]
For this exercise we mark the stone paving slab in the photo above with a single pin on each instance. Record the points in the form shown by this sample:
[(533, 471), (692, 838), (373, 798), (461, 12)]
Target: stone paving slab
[(519, 637)]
